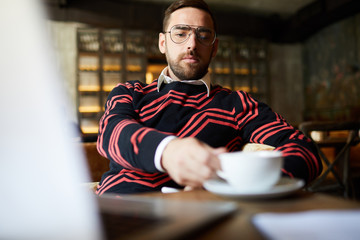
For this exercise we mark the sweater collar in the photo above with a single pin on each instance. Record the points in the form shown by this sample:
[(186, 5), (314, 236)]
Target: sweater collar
[(164, 78)]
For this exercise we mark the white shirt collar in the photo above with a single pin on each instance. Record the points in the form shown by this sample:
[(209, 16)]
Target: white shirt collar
[(165, 78)]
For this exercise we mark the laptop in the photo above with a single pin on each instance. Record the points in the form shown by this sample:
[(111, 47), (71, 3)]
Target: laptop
[(41, 168)]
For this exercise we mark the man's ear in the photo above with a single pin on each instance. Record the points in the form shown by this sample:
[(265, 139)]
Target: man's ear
[(215, 47), (162, 43)]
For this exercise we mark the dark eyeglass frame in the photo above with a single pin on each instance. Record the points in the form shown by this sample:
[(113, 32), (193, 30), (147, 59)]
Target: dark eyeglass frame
[(198, 31)]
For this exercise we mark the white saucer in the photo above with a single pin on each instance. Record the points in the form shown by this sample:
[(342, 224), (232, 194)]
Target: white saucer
[(284, 187)]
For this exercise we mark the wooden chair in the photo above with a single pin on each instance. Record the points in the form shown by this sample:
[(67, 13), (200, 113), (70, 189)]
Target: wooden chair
[(97, 164), (342, 145)]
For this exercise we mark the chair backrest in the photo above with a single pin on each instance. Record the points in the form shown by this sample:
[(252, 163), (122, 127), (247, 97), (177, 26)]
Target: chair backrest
[(350, 130), (308, 127), (341, 142)]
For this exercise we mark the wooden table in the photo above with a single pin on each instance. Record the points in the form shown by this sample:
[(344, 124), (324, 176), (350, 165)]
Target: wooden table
[(239, 226)]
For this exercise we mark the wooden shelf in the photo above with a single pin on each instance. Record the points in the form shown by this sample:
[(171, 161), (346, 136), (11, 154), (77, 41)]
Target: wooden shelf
[(242, 65), (106, 57)]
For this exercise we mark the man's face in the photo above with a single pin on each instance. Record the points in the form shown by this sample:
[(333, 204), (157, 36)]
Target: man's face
[(190, 59)]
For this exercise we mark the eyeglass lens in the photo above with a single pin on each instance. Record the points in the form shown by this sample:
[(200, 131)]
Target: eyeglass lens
[(180, 33)]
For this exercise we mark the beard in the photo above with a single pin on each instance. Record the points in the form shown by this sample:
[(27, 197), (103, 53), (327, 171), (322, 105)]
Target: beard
[(188, 71)]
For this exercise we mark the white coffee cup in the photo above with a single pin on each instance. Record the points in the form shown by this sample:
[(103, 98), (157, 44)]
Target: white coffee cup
[(251, 171)]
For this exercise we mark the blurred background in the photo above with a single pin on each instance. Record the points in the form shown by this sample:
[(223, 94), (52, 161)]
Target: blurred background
[(299, 56)]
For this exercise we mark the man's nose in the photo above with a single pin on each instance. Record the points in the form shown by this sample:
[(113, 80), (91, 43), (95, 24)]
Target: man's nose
[(192, 41)]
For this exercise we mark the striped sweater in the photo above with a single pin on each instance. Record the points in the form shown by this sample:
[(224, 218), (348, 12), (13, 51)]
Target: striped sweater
[(138, 117)]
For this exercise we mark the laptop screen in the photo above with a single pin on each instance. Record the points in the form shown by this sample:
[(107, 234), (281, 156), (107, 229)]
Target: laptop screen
[(40, 168)]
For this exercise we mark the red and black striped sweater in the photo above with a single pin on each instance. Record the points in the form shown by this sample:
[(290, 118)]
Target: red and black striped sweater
[(138, 117)]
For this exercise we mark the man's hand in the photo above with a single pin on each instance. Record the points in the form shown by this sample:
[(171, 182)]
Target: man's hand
[(190, 162)]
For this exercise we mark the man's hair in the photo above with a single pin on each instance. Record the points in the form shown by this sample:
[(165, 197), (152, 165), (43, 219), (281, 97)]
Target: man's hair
[(199, 4)]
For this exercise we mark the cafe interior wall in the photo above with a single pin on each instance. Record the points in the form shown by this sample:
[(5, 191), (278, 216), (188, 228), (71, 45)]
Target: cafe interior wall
[(332, 72), (63, 35), (286, 81)]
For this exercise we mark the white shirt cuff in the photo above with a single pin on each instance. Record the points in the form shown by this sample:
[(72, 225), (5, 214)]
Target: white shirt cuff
[(159, 150)]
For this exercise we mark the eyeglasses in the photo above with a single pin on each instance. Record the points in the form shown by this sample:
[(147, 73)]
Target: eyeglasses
[(180, 33)]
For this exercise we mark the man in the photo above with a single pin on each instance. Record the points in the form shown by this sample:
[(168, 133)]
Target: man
[(170, 132)]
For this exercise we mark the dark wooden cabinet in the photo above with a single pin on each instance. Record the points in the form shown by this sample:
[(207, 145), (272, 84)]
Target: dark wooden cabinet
[(242, 65), (106, 57)]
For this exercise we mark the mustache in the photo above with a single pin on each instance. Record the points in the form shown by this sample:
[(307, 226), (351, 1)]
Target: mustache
[(190, 53)]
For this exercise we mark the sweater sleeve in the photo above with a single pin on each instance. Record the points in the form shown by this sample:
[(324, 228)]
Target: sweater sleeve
[(264, 126), (122, 138)]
